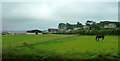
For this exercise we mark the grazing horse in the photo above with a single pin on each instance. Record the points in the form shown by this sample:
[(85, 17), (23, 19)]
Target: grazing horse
[(100, 36)]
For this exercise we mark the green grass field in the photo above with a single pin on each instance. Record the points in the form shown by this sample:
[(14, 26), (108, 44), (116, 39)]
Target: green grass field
[(58, 46)]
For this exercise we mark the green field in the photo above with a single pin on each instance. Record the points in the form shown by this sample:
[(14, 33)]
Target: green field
[(53, 46)]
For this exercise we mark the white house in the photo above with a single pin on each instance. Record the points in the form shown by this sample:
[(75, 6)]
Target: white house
[(111, 25), (85, 27), (76, 28)]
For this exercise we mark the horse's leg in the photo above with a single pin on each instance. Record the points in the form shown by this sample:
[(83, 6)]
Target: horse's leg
[(103, 39), (98, 40)]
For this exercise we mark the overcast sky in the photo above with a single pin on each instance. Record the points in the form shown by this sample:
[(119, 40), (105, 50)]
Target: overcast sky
[(19, 16)]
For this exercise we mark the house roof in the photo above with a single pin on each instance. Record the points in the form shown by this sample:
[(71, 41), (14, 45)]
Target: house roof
[(52, 29), (33, 31)]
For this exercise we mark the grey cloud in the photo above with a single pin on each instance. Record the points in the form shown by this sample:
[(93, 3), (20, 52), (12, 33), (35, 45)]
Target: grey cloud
[(17, 15)]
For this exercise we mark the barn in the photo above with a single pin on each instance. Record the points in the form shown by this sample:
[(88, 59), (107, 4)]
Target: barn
[(34, 32), (53, 30)]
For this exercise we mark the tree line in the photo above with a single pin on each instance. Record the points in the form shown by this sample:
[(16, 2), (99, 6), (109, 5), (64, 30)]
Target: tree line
[(90, 28)]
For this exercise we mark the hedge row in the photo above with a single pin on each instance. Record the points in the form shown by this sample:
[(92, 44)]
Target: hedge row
[(93, 32)]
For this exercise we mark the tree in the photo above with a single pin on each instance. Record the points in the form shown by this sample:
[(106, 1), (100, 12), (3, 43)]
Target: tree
[(92, 25), (62, 26), (68, 26), (95, 25), (79, 24), (88, 22)]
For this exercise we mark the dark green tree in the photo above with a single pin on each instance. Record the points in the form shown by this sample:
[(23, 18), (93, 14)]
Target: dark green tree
[(62, 26), (79, 24)]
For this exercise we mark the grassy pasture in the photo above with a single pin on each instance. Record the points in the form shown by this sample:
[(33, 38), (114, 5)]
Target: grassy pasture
[(58, 46)]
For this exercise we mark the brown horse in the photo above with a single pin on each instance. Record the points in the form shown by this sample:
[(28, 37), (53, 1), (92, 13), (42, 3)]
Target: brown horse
[(100, 36)]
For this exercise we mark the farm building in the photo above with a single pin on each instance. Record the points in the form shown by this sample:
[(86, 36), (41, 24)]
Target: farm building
[(53, 30), (34, 32), (8, 33), (45, 31)]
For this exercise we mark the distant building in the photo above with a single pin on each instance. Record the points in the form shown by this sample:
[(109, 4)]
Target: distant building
[(86, 27), (5, 33), (45, 32), (68, 30), (34, 32), (11, 33), (53, 30), (8, 33), (111, 25), (76, 28)]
